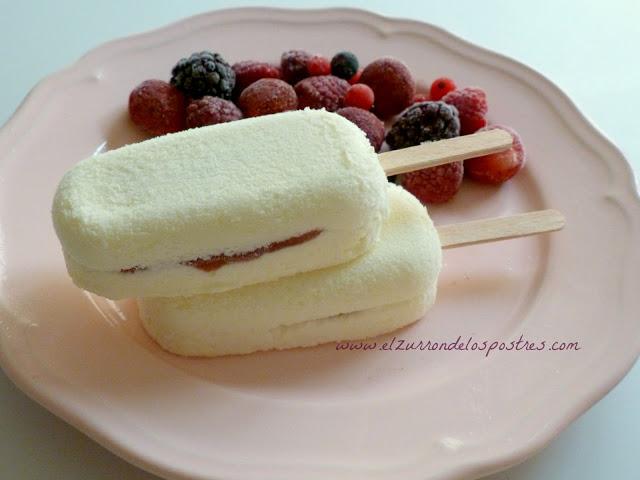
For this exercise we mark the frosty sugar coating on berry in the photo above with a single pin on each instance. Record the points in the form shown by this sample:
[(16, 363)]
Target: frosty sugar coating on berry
[(204, 73), (250, 71), (211, 111), (472, 106), (267, 95), (157, 107), (436, 184), (424, 122), (392, 84), (325, 91), (293, 64), (371, 125)]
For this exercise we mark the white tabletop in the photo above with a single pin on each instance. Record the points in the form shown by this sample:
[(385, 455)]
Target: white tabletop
[(584, 46)]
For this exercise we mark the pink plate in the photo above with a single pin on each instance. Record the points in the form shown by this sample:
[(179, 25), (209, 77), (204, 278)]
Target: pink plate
[(325, 413)]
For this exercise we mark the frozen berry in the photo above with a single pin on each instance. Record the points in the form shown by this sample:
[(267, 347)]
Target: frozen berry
[(392, 84), (344, 65), (325, 91), (204, 73), (356, 77), (420, 97), (267, 95), (293, 65), (319, 65), (472, 106), (498, 167), (250, 71), (424, 122), (359, 95), (440, 87), (157, 107), (371, 125), (211, 110), (436, 184)]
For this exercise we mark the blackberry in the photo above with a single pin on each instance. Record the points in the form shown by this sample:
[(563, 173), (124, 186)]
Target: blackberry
[(424, 122), (204, 73), (344, 65)]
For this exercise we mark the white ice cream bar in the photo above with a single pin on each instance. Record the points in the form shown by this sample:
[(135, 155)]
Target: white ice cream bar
[(390, 286), (220, 207)]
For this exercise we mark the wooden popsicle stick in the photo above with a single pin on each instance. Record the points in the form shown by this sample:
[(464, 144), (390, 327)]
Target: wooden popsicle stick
[(432, 154), (501, 228)]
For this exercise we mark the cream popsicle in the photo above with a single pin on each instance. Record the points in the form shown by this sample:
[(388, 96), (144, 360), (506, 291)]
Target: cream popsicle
[(390, 286), (221, 207)]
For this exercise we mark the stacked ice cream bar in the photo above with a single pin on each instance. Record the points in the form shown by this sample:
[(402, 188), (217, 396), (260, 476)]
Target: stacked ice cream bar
[(267, 233)]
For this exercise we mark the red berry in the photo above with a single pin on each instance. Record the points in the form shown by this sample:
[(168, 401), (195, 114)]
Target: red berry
[(250, 71), (496, 168), (436, 184), (472, 106), (392, 84), (359, 95), (157, 107), (440, 87), (325, 91), (371, 125), (211, 110), (293, 65), (267, 95), (356, 77), (420, 97), (319, 65), (473, 124)]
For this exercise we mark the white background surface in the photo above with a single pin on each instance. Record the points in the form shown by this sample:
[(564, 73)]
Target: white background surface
[(586, 47)]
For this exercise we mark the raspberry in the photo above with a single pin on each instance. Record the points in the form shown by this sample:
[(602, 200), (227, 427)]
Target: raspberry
[(421, 97), (250, 71), (211, 110), (440, 87), (472, 106), (319, 65), (293, 65), (157, 107), (204, 73), (436, 184), (325, 91), (344, 65), (473, 124), (371, 125), (498, 167), (267, 95), (424, 122), (359, 95), (392, 84), (356, 77)]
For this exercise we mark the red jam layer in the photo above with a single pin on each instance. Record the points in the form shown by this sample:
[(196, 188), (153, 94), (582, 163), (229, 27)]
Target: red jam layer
[(132, 269), (214, 262)]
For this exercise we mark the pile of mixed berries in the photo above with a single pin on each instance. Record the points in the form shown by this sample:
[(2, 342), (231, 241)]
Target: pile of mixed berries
[(205, 89)]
